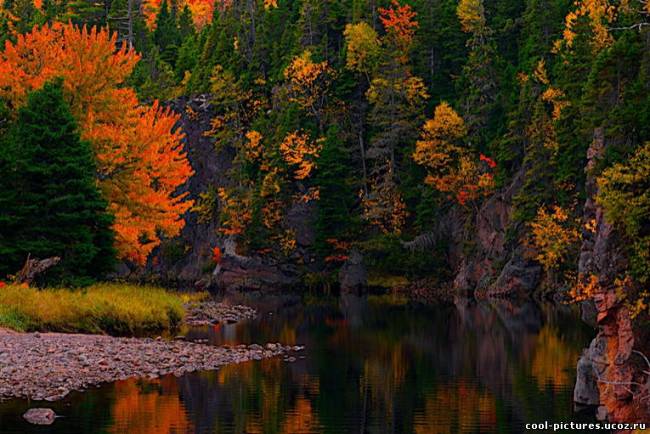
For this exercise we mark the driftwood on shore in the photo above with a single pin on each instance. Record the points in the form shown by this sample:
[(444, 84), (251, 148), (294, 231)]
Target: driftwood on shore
[(34, 267)]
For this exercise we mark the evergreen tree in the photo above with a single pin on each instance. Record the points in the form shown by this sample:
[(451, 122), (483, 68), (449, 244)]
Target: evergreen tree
[(88, 12), (336, 196), (50, 201), (167, 36), (185, 24)]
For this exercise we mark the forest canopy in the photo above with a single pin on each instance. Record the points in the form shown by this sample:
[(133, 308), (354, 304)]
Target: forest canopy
[(383, 117)]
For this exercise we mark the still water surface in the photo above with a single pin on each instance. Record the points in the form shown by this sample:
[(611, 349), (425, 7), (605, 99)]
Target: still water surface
[(371, 365)]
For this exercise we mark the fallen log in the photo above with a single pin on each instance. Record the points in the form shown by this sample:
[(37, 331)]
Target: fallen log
[(34, 267)]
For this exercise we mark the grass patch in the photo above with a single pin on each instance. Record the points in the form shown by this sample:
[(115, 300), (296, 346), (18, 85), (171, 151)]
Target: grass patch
[(382, 280), (117, 309)]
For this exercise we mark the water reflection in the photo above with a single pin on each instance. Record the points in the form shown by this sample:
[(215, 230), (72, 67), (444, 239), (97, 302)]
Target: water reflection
[(372, 365)]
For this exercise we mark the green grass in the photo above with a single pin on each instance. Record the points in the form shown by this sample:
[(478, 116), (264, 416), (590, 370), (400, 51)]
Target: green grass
[(118, 309)]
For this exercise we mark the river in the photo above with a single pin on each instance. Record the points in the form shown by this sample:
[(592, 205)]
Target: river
[(375, 364)]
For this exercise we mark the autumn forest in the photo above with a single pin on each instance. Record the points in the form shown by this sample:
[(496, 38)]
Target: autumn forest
[(408, 154)]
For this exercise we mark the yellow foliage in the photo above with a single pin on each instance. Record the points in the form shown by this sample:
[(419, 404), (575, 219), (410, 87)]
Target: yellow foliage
[(471, 14), (412, 88), (440, 137), (270, 4), (452, 168), (271, 183), (307, 80), (235, 211), (363, 47), (557, 98), (384, 207), (288, 242), (553, 234), (540, 73)]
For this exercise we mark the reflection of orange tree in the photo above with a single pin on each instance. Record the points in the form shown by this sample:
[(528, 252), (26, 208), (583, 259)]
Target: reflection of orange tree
[(466, 408), (301, 419), (552, 359), (260, 384), (157, 411)]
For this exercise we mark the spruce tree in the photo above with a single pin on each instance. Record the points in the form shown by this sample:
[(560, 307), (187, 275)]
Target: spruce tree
[(166, 36), (336, 195), (50, 201)]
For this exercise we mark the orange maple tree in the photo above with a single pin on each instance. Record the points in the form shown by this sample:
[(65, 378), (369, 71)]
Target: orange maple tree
[(400, 24), (141, 163)]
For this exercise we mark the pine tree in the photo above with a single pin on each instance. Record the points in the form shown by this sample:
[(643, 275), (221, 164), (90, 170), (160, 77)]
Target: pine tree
[(185, 24), (166, 36), (51, 204), (336, 196), (88, 12)]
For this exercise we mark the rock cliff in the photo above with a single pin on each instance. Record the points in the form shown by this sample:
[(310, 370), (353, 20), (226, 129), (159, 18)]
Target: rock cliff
[(609, 373)]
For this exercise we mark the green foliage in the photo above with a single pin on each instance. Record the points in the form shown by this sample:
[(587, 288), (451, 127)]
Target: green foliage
[(336, 195), (386, 256), (625, 195), (367, 113), (50, 202)]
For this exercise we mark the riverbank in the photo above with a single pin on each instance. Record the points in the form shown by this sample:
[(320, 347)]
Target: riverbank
[(48, 366), (111, 308)]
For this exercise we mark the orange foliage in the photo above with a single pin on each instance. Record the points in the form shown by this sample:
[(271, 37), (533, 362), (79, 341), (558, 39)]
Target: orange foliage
[(202, 11), (270, 4), (600, 14), (235, 211), (553, 234), (216, 255), (253, 149), (307, 80), (140, 159), (452, 168), (585, 288), (399, 21), (298, 150)]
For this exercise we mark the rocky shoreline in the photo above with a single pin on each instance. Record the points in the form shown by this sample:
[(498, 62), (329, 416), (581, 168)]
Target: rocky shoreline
[(212, 312), (48, 366)]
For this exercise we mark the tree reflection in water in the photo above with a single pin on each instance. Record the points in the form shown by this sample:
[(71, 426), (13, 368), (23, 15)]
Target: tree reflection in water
[(372, 365)]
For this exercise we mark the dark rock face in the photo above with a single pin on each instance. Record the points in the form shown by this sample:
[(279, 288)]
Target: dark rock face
[(40, 416), (241, 273), (187, 260), (605, 369), (519, 276), (495, 267), (353, 276), (586, 389)]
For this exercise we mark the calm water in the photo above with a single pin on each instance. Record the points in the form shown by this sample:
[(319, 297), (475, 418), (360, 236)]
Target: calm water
[(372, 365)]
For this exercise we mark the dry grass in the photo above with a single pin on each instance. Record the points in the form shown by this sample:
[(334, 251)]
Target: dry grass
[(103, 308)]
